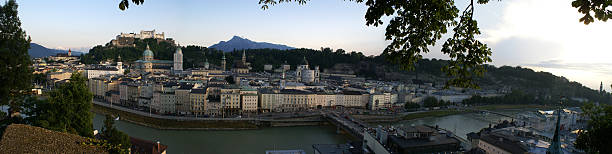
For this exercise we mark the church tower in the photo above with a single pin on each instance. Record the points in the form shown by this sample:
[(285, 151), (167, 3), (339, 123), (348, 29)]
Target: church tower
[(119, 64), (601, 88), (178, 60), (243, 57), (223, 62)]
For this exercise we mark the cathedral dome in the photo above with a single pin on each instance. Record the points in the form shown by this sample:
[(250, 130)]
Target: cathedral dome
[(148, 52)]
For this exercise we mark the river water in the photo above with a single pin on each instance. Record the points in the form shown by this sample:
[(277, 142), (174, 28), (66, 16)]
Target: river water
[(461, 124), (233, 142), (284, 138)]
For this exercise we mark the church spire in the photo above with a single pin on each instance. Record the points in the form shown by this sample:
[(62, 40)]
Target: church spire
[(601, 87), (243, 57), (223, 62), (555, 145)]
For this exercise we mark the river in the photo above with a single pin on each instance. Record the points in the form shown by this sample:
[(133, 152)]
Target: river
[(283, 138), (461, 124), (233, 142)]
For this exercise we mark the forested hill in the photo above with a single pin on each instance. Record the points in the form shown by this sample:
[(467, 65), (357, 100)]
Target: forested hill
[(539, 84)]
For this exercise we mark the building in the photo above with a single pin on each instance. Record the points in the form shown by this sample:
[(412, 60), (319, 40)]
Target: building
[(149, 65), (495, 143), (242, 66), (128, 39), (64, 57), (304, 74), (381, 101), (249, 102), (198, 101), (178, 61), (100, 70), (147, 147), (183, 99), (422, 139)]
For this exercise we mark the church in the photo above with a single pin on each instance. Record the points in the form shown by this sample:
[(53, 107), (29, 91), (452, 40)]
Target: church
[(304, 74), (149, 65)]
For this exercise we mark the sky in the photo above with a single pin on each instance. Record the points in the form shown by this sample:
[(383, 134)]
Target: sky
[(544, 35)]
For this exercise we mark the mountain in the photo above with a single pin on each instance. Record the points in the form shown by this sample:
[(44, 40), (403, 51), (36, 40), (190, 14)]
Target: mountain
[(239, 43), (37, 51)]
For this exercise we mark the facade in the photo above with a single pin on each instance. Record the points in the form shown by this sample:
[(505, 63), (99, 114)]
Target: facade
[(197, 101), (178, 61), (128, 39), (304, 74), (242, 66), (423, 139), (149, 65), (381, 100), (249, 102), (102, 70), (183, 99)]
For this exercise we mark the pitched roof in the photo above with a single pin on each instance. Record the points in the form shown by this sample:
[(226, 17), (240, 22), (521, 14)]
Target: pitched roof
[(19, 138), (146, 147)]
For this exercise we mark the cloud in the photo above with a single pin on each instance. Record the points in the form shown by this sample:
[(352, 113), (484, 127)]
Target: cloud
[(517, 50), (602, 68)]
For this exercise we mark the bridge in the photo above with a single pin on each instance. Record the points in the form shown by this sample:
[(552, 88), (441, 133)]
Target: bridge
[(492, 112), (358, 129), (347, 123)]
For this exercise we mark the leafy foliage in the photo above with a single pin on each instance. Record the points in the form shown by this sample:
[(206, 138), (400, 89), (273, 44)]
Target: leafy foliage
[(467, 54), (66, 110), (111, 148), (595, 139), (517, 97), (433, 102), (16, 74), (599, 7), (230, 79), (124, 4), (114, 136), (411, 106)]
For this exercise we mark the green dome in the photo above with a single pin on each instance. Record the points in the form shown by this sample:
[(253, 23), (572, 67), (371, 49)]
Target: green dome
[(148, 52)]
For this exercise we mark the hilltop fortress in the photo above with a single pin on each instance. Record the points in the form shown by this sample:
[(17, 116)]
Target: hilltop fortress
[(127, 39)]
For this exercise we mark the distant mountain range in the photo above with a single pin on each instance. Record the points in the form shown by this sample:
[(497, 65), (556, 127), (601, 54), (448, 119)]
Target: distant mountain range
[(37, 51), (239, 43)]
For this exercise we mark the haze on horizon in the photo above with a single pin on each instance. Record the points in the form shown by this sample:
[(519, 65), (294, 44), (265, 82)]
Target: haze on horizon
[(544, 35)]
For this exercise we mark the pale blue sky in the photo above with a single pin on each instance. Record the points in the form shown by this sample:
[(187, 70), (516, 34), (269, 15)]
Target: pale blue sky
[(540, 34)]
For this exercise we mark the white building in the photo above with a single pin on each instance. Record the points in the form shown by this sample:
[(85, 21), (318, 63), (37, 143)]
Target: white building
[(104, 70), (304, 74), (178, 61)]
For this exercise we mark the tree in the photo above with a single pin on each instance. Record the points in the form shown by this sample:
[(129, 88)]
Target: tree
[(411, 106), (430, 102), (114, 136), (595, 138), (230, 79), (16, 74), (66, 110)]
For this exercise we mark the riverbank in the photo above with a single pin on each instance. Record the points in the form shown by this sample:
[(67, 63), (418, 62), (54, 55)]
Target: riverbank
[(434, 113), (175, 124), (512, 106)]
